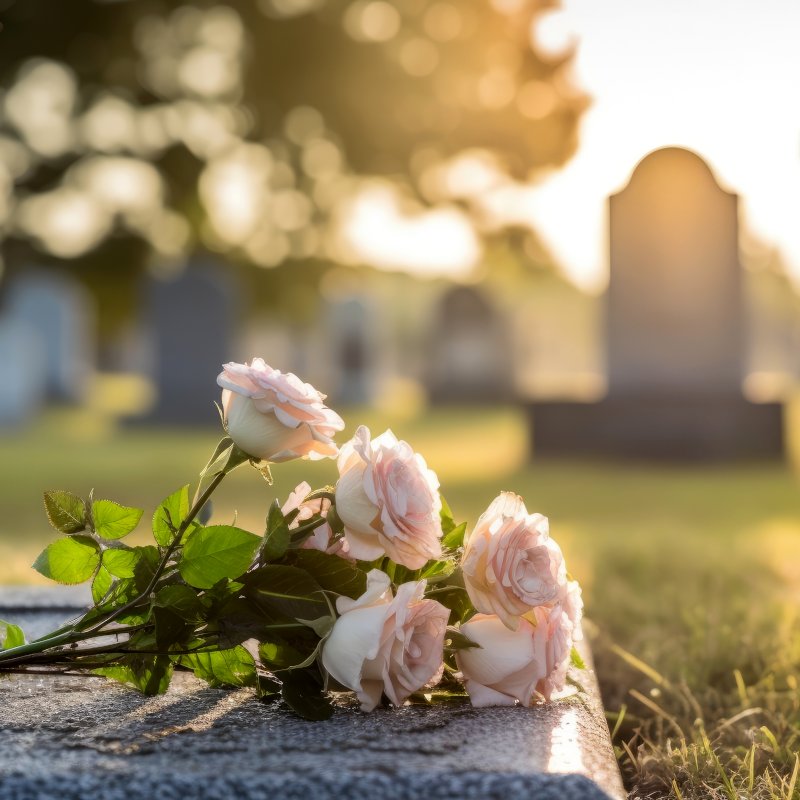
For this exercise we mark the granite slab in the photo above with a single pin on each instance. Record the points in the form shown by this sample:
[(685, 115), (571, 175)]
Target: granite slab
[(77, 738)]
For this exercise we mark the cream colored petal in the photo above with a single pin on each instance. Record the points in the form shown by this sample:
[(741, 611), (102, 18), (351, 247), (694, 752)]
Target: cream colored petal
[(502, 652), (481, 696), (355, 638)]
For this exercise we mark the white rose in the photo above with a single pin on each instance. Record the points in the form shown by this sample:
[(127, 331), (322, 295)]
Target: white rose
[(388, 500), (386, 644), (274, 416)]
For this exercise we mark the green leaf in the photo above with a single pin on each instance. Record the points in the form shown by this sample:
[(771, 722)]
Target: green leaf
[(171, 630), (73, 559), (278, 654), (147, 673), (181, 600), (169, 515), (101, 584), (576, 660), (276, 539), (287, 590), (455, 538), (113, 521), (302, 691), (217, 552), (10, 635), (266, 686), (436, 571), (124, 562), (446, 516), (457, 600), (66, 511), (332, 573), (234, 667)]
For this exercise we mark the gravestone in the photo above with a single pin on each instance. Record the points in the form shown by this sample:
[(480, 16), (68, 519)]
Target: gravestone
[(191, 322), (470, 350), (23, 362), (675, 329), (80, 737), (60, 312), (351, 340)]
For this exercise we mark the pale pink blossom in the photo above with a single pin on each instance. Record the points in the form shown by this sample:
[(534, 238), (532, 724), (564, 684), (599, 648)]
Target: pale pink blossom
[(510, 563), (384, 644), (322, 537), (520, 665), (507, 666), (274, 416), (388, 500), (562, 624)]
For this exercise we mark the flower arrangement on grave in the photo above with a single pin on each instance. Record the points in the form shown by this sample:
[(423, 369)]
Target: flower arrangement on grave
[(367, 585)]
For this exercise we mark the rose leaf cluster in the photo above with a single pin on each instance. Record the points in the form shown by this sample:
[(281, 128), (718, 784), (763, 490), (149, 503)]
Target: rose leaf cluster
[(367, 585)]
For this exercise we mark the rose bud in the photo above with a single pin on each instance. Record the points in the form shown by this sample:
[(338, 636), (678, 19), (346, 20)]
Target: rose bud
[(274, 416), (510, 563), (384, 644), (388, 500), (321, 537)]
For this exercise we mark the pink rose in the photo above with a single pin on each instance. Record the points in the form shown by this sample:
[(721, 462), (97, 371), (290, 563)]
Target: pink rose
[(516, 665), (274, 416), (388, 500), (510, 563), (563, 626), (559, 644), (508, 665), (320, 539), (386, 644)]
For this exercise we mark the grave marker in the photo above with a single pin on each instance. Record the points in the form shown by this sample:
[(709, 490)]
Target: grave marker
[(675, 329), (60, 311), (470, 353), (191, 319)]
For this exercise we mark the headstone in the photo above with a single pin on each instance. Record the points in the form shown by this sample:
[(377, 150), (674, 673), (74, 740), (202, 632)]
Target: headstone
[(79, 737), (191, 321), (61, 312), (675, 329), (23, 363), (352, 345), (470, 353)]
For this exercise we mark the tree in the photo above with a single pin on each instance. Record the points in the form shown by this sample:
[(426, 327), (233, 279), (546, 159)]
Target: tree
[(244, 127)]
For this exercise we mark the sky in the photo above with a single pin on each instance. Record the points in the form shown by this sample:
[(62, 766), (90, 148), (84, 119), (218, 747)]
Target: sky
[(720, 77)]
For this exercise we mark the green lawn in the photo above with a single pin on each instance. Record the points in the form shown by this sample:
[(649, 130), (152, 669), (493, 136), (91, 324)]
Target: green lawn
[(691, 575)]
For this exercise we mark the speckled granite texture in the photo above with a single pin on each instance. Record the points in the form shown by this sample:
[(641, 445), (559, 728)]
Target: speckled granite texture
[(77, 738)]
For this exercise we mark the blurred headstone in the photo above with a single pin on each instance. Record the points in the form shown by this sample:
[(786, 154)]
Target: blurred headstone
[(352, 344), (24, 366), (60, 313), (191, 322), (470, 353), (676, 329)]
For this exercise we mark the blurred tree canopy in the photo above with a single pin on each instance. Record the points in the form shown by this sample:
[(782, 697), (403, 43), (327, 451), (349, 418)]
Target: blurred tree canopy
[(132, 133)]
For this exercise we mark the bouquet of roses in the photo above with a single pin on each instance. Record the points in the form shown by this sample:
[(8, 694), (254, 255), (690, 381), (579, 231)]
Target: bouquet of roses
[(368, 585)]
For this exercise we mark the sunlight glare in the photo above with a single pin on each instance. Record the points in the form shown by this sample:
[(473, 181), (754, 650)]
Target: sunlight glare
[(377, 229)]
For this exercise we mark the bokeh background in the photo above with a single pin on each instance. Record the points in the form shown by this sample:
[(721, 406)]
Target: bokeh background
[(405, 203)]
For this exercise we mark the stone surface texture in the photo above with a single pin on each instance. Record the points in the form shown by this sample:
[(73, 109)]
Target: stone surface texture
[(76, 738)]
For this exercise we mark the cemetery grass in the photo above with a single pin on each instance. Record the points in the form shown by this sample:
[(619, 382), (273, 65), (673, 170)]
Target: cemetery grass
[(691, 575)]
